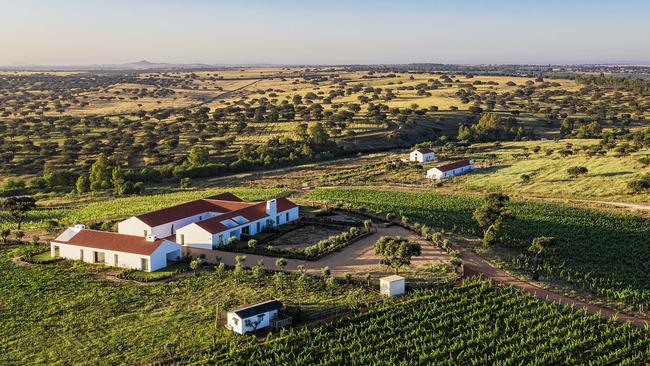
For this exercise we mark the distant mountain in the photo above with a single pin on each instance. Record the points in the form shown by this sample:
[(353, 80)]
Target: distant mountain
[(140, 65)]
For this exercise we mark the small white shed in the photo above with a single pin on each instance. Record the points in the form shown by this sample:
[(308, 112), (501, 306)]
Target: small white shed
[(392, 285), (422, 155), (254, 317)]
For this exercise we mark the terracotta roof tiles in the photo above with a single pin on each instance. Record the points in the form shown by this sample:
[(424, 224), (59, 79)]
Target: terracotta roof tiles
[(113, 241)]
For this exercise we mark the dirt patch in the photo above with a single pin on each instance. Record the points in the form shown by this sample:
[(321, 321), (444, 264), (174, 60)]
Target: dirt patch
[(306, 236)]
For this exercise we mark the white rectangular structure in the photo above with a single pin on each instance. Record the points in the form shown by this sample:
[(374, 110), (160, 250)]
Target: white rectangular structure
[(450, 170), (422, 155), (113, 249), (254, 317), (392, 285)]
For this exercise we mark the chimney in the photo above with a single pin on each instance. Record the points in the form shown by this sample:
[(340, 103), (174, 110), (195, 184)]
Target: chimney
[(151, 238), (272, 207), (79, 227)]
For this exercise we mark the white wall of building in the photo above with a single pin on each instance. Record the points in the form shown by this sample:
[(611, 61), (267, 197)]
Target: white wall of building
[(196, 237), (293, 214), (133, 225), (419, 157), (157, 259), (392, 287), (238, 325), (434, 173)]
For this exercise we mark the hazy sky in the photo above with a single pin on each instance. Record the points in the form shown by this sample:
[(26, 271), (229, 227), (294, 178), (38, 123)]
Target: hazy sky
[(69, 32)]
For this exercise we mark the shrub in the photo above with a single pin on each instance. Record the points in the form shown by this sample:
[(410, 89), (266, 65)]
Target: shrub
[(576, 171)]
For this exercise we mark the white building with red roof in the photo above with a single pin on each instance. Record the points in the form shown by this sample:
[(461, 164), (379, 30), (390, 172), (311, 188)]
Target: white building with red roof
[(209, 222), (450, 170), (119, 250), (147, 242), (422, 155)]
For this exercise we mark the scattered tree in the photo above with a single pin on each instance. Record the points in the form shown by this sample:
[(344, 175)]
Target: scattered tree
[(396, 251), (491, 216), (18, 207)]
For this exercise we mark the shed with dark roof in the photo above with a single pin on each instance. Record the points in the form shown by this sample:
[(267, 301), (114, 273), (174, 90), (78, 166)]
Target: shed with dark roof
[(254, 317)]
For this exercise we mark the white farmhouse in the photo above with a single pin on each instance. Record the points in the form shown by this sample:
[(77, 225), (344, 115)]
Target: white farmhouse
[(422, 155), (209, 222), (119, 250), (254, 317), (450, 170), (250, 220), (392, 285)]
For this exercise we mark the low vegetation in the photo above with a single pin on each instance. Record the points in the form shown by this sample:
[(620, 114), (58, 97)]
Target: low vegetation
[(71, 313), (602, 252), (475, 324)]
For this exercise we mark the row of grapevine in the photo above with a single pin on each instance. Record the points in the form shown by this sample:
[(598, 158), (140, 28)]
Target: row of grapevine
[(603, 252), (133, 205), (475, 324)]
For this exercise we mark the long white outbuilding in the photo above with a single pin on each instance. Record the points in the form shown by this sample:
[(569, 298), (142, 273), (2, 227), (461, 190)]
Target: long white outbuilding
[(450, 170), (119, 250)]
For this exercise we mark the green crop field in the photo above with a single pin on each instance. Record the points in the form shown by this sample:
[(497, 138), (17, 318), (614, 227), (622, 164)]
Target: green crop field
[(133, 205), (476, 324), (602, 252)]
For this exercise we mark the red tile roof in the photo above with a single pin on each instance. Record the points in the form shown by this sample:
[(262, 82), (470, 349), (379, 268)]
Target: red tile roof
[(227, 204), (424, 150), (454, 165), (252, 213), (284, 204), (113, 241), (220, 203)]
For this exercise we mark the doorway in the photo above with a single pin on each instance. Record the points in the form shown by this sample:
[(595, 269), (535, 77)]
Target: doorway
[(144, 264), (98, 257)]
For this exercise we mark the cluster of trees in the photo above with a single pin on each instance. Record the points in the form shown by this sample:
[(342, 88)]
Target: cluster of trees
[(493, 127), (631, 84), (580, 129)]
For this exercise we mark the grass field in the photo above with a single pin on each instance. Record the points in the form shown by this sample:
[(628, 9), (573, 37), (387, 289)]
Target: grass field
[(608, 175)]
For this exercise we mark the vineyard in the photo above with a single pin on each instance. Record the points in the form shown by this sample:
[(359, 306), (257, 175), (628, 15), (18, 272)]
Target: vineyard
[(475, 324), (602, 252), (134, 205), (67, 313)]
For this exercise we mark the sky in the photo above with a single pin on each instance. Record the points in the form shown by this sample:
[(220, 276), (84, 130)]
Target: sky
[(75, 32)]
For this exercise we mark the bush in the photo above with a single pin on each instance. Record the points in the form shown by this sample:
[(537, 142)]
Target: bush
[(576, 171), (640, 185)]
